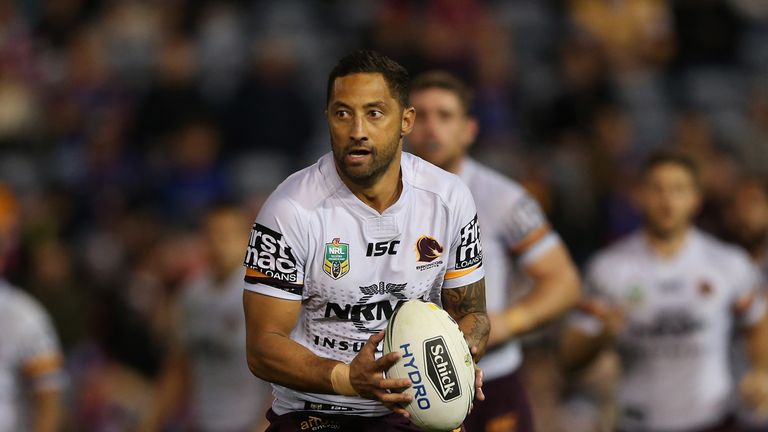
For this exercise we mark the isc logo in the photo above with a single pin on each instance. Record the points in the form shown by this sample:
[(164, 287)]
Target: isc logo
[(382, 248)]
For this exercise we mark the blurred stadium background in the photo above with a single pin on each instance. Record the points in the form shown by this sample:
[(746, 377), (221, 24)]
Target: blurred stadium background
[(121, 121)]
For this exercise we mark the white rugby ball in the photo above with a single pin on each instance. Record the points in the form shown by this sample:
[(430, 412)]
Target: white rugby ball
[(435, 357)]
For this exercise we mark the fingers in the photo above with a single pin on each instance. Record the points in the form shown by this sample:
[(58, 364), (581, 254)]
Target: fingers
[(397, 409), (479, 395), (479, 384), (398, 384), (387, 361), (375, 339), (394, 398)]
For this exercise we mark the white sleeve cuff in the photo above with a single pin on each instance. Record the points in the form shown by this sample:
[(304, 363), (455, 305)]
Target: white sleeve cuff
[(267, 290)]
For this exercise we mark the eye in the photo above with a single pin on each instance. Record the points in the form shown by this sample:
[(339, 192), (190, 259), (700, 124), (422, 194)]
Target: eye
[(376, 114), (342, 114)]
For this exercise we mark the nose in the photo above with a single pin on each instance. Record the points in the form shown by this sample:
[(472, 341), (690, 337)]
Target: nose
[(358, 131)]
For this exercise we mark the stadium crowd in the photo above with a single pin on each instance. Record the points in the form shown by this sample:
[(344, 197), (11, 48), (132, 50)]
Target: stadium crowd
[(123, 123)]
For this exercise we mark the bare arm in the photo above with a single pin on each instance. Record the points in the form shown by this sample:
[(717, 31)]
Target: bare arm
[(466, 305), (172, 386), (47, 411), (577, 348), (555, 291), (273, 356)]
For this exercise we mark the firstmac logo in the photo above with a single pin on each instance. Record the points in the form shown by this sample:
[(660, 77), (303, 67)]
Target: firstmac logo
[(440, 369)]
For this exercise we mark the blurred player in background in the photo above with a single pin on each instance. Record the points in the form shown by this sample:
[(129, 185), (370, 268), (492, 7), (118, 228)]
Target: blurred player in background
[(668, 296), (514, 229), (362, 230), (206, 367), (747, 223), (31, 377)]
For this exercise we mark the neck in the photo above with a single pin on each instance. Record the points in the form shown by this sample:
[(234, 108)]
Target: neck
[(454, 165), (383, 192), (666, 245)]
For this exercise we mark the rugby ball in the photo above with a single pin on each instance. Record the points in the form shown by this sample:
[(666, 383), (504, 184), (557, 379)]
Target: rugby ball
[(435, 357)]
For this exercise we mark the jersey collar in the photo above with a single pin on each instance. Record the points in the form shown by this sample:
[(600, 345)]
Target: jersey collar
[(334, 182)]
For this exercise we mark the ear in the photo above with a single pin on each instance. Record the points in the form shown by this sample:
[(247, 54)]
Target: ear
[(409, 118), (470, 132)]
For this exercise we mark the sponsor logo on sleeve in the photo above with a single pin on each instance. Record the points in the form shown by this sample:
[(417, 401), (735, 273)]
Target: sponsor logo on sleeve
[(440, 370), (336, 262), (470, 251), (269, 254)]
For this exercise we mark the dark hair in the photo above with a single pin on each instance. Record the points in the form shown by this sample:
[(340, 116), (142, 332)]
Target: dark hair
[(445, 81), (365, 61), (671, 157)]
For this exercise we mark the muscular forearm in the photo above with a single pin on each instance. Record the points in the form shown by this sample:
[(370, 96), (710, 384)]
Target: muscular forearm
[(476, 327), (278, 359), (47, 411), (466, 305)]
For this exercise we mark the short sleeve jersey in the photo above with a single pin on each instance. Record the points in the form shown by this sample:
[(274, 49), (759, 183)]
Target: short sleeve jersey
[(679, 314), (30, 358), (350, 266), (515, 231)]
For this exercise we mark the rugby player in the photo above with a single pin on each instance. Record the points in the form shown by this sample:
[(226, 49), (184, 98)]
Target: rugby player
[(30, 357), (514, 230), (667, 297), (340, 244), (204, 366)]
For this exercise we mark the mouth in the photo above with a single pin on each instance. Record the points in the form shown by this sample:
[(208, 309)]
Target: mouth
[(357, 155)]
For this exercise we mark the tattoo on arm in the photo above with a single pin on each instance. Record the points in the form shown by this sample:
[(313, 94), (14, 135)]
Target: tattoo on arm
[(465, 300), (467, 306)]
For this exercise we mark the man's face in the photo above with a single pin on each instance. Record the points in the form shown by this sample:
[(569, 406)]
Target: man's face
[(747, 214), (366, 124), (669, 199), (444, 131), (223, 233)]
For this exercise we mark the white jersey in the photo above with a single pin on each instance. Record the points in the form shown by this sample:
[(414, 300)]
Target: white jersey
[(225, 395), (679, 314), (513, 227), (30, 358), (350, 266)]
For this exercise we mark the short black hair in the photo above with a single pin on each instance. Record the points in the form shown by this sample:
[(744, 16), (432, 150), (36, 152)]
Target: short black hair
[(367, 61), (671, 157), (445, 81)]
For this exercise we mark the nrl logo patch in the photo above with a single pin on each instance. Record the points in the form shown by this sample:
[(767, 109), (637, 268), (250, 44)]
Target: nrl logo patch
[(336, 262)]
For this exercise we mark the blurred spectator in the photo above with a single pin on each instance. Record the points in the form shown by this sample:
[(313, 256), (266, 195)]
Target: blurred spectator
[(205, 367), (747, 218), (194, 176), (270, 112), (635, 34), (746, 215), (173, 98)]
